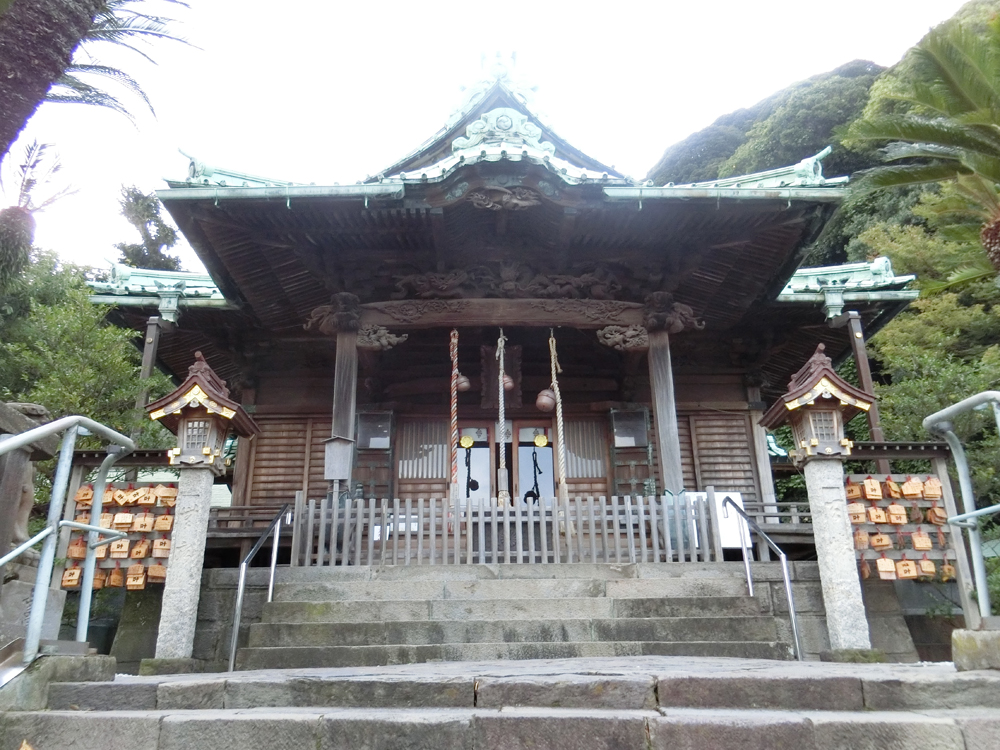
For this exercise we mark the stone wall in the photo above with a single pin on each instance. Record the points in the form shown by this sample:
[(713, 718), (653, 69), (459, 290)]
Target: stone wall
[(886, 624), (215, 612)]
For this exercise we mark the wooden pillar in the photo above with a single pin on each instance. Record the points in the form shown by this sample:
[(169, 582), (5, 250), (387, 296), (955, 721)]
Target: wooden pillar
[(764, 473), (154, 326), (243, 470), (661, 381), (857, 338), (345, 387)]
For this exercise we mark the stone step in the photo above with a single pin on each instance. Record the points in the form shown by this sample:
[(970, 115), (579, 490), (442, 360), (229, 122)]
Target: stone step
[(379, 590), (508, 727), (631, 683), (516, 609), (762, 571), (422, 632), (367, 656)]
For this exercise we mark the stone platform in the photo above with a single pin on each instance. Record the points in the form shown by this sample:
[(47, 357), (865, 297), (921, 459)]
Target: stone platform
[(644, 702)]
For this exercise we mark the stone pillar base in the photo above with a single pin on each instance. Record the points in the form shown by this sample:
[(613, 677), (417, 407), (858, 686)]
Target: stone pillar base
[(179, 609), (975, 649)]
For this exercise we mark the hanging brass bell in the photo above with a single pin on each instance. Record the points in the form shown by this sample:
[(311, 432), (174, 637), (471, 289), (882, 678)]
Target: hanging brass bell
[(462, 384), (508, 382)]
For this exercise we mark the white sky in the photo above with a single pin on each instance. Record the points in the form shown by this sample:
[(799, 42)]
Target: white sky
[(332, 91)]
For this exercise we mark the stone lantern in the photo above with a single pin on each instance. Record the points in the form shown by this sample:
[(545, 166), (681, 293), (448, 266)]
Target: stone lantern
[(201, 414), (817, 405)]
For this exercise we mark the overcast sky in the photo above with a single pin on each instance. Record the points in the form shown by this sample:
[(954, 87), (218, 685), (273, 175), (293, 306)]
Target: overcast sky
[(330, 92)]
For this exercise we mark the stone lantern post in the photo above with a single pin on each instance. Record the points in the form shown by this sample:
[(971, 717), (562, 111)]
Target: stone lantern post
[(201, 414), (817, 405)]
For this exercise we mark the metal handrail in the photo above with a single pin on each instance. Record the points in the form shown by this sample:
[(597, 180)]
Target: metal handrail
[(70, 427), (962, 519), (275, 526), (35, 434), (940, 422), (782, 557)]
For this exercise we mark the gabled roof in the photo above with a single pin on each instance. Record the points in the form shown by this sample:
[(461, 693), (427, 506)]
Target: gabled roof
[(817, 378), (203, 388), (495, 121)]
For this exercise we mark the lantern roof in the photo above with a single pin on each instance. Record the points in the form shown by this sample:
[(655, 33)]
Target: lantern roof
[(202, 389), (817, 379)]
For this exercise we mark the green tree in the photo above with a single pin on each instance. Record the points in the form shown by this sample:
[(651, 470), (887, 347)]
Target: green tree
[(782, 129), (804, 121), (950, 133), (61, 353), (142, 211)]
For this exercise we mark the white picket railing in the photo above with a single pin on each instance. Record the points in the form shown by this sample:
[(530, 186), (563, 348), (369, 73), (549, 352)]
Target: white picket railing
[(433, 531)]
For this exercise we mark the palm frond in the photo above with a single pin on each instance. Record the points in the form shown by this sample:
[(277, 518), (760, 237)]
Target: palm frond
[(38, 166), (71, 90), (124, 24), (923, 130), (986, 167), (913, 174), (980, 191), (964, 233), (960, 277), (958, 66), (114, 74)]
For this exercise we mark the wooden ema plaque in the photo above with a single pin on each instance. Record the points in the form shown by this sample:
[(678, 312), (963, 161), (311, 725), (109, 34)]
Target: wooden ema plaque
[(135, 579), (856, 512), (897, 514), (142, 511), (908, 525), (161, 548), (886, 569)]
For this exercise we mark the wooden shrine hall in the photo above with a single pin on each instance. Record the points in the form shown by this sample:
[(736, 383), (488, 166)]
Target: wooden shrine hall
[(643, 329)]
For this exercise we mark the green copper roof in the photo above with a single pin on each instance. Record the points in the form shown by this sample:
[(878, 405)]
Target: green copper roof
[(167, 290), (837, 286), (877, 274), (807, 173), (496, 123)]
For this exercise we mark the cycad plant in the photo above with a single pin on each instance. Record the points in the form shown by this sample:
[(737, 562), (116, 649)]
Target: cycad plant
[(38, 167), (951, 133), (124, 24)]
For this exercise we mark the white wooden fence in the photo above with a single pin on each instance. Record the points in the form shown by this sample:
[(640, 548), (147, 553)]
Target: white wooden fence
[(447, 532)]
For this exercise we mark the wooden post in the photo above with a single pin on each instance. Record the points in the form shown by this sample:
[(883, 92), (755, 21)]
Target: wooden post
[(857, 338), (661, 381), (345, 387), (151, 344)]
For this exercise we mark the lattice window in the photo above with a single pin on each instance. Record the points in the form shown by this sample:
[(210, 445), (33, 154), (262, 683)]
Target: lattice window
[(423, 450), (586, 449), (196, 434), (824, 426)]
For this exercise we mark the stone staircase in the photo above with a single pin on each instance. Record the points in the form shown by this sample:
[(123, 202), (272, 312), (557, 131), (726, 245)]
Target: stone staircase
[(646, 703), (348, 617)]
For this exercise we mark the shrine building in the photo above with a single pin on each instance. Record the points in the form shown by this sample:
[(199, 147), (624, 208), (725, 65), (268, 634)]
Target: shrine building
[(502, 350)]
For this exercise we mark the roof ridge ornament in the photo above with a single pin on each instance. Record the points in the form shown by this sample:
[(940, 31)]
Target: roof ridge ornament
[(503, 125), (806, 173)]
